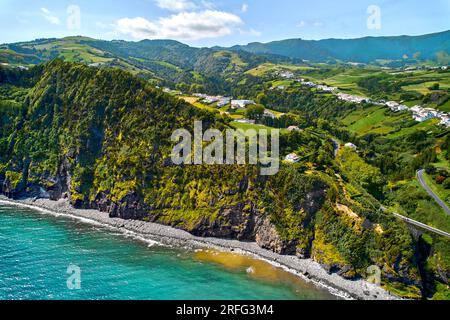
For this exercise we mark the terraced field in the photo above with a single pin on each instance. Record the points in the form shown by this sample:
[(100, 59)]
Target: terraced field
[(266, 68), (427, 126), (377, 120)]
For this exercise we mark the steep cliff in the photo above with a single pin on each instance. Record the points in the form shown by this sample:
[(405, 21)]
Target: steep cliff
[(101, 138)]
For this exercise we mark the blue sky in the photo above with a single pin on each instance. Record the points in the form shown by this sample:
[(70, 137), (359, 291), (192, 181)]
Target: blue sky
[(219, 22)]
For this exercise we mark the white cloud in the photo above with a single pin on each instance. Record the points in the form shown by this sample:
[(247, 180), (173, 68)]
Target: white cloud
[(176, 5), (318, 24), (182, 26), (244, 8), (301, 24), (50, 17), (138, 28)]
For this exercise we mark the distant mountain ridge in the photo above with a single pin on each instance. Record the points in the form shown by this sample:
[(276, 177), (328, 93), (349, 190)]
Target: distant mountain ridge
[(365, 50), (435, 47), (165, 61), (216, 69)]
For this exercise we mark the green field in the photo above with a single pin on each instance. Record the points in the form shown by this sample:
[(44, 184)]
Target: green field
[(377, 120), (429, 125), (204, 107), (423, 87), (442, 162), (276, 113), (345, 79), (256, 127), (286, 83), (266, 68), (429, 212)]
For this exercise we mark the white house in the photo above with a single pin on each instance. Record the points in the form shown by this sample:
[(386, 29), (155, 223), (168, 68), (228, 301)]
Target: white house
[(309, 84), (210, 100), (223, 102), (351, 98), (392, 104), (281, 88), (240, 104), (445, 121), (326, 88), (395, 106), (269, 114), (287, 75), (247, 121), (351, 146), (293, 128), (292, 157)]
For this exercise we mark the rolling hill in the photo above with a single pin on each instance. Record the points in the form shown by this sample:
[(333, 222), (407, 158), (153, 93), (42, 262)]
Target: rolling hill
[(160, 60), (364, 50), (174, 62)]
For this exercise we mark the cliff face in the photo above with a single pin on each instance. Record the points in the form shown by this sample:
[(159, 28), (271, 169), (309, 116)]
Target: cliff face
[(101, 138), (242, 221)]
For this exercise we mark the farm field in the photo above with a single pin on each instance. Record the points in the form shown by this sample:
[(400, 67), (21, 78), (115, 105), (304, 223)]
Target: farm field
[(428, 126), (377, 120), (265, 68), (256, 127)]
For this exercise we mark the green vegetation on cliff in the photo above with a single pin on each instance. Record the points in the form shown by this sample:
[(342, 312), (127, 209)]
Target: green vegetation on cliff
[(101, 137)]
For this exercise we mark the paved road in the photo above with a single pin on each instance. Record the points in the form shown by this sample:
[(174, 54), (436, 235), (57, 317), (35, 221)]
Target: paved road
[(430, 192), (336, 146), (422, 225), (418, 224)]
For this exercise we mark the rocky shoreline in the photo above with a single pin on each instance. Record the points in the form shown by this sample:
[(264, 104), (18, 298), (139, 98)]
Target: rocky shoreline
[(307, 269)]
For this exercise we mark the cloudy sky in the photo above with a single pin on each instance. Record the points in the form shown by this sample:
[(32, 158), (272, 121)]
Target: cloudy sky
[(219, 22)]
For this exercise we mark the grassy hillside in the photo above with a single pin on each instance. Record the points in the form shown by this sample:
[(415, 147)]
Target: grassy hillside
[(102, 138), (166, 62)]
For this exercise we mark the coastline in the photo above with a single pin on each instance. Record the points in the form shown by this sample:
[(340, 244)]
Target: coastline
[(307, 269)]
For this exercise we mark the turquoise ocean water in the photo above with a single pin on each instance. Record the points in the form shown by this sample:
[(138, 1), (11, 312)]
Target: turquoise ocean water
[(37, 249)]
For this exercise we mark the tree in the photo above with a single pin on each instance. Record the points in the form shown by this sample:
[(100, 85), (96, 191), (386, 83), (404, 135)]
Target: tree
[(255, 112), (183, 87), (446, 183), (440, 179), (434, 86)]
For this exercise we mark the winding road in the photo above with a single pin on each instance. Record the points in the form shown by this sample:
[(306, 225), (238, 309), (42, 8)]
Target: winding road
[(424, 185), (417, 223), (336, 147), (422, 225)]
